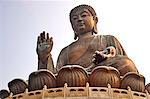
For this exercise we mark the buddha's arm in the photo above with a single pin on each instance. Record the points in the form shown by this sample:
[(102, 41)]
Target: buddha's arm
[(46, 64), (112, 48), (44, 47), (62, 59), (112, 41)]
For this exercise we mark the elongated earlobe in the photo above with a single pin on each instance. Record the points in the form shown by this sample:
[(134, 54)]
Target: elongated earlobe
[(95, 29), (95, 26), (75, 36)]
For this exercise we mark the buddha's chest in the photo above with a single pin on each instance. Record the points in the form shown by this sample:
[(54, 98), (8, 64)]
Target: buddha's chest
[(78, 50), (81, 51)]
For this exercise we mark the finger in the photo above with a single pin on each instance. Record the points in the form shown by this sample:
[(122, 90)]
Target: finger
[(47, 36), (42, 36), (93, 60), (51, 41), (44, 39), (48, 39), (97, 52), (94, 55), (39, 40)]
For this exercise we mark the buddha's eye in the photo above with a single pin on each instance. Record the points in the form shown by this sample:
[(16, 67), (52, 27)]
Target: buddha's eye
[(84, 15), (74, 18)]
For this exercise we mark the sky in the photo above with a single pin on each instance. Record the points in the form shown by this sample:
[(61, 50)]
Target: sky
[(21, 21)]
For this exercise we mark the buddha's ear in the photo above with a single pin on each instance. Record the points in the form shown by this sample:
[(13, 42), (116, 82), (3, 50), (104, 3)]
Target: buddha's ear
[(96, 19), (95, 25), (75, 34)]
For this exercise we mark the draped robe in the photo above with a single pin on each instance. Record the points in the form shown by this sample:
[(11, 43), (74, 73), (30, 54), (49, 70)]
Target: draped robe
[(81, 53)]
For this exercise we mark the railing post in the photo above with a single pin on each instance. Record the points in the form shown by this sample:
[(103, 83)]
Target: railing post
[(147, 94), (130, 93), (87, 89), (65, 90), (10, 96), (110, 91), (26, 94), (43, 91)]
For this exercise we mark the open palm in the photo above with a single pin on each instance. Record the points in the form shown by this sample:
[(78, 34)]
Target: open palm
[(44, 46)]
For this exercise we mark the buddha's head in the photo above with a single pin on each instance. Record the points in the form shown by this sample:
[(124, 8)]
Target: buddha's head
[(83, 20)]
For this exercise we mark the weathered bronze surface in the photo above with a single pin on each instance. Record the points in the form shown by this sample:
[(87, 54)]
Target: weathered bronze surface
[(17, 86), (134, 80), (39, 78), (147, 87), (88, 50), (101, 76), (73, 75), (4, 93)]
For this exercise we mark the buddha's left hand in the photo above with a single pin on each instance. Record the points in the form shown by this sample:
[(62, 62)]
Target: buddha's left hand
[(100, 56)]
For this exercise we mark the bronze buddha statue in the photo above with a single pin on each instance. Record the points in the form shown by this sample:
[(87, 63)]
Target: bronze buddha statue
[(88, 50)]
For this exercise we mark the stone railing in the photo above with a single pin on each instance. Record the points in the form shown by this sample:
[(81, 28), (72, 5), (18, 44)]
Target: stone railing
[(81, 93)]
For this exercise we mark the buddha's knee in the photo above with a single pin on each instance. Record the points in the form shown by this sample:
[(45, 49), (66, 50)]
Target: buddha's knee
[(125, 65)]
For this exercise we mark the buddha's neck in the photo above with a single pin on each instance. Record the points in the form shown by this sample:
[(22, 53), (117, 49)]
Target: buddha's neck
[(85, 36)]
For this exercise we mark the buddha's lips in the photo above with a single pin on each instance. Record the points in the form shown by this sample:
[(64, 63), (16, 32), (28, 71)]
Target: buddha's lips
[(80, 23)]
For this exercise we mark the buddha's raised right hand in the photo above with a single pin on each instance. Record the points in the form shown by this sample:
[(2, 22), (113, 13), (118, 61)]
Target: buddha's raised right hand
[(44, 46)]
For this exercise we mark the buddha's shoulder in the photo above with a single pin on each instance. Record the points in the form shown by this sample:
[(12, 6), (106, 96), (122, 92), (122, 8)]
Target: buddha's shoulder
[(68, 47)]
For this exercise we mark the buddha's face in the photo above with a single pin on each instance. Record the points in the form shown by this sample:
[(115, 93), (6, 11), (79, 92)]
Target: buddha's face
[(82, 21)]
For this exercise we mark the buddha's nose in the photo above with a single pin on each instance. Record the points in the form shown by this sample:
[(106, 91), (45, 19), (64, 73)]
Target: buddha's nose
[(79, 18)]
